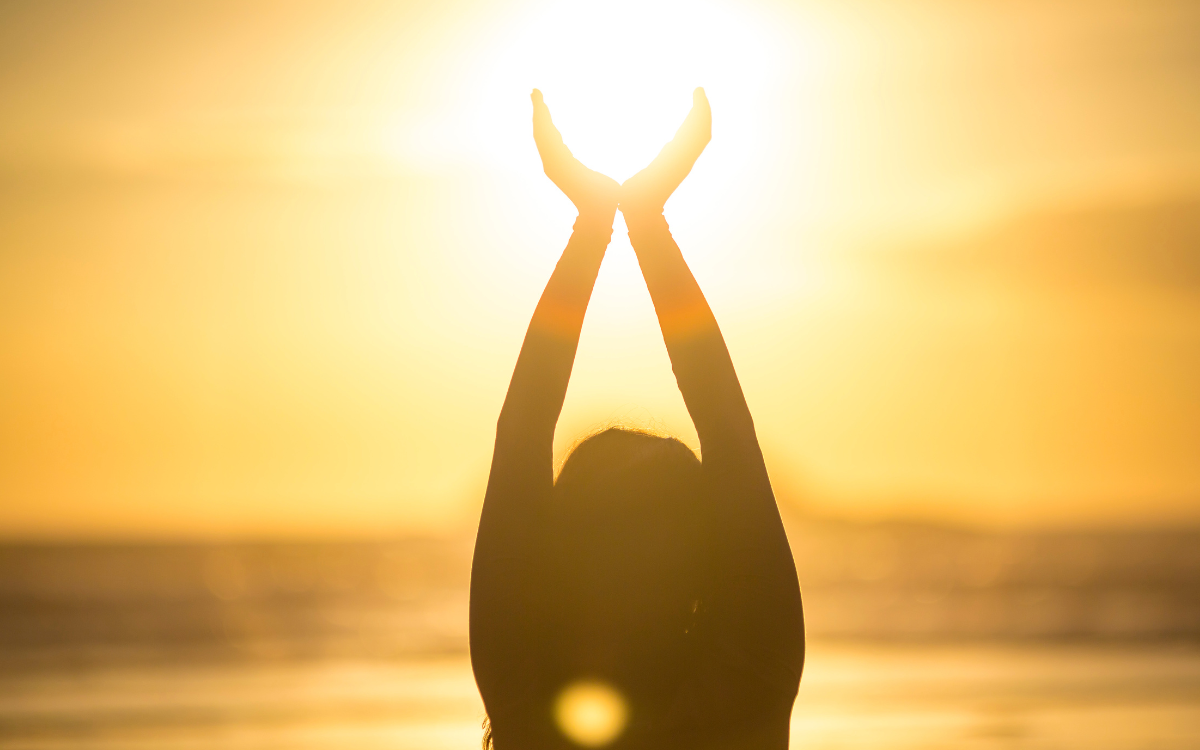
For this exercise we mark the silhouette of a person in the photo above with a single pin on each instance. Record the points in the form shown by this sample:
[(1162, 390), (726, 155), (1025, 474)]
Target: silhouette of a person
[(667, 578)]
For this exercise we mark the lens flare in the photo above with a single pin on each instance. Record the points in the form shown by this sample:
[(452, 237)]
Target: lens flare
[(590, 713)]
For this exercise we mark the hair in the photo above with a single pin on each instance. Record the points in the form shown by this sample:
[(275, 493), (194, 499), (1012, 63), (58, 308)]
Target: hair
[(624, 565)]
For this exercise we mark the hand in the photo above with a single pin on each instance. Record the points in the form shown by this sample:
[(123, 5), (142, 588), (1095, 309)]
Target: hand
[(592, 193), (647, 191)]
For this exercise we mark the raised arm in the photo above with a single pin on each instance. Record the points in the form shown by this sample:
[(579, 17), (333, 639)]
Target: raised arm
[(698, 353), (701, 362), (525, 431), (756, 607), (522, 463)]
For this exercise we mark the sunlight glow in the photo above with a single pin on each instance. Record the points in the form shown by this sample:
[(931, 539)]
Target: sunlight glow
[(266, 267), (618, 89), (591, 713)]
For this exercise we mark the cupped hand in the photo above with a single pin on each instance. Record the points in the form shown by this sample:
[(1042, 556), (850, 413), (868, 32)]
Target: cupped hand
[(647, 191), (591, 192)]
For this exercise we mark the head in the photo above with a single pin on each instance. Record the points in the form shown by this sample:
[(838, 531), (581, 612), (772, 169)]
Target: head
[(626, 560)]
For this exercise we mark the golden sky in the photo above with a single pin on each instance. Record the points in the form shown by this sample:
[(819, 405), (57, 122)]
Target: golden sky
[(265, 267)]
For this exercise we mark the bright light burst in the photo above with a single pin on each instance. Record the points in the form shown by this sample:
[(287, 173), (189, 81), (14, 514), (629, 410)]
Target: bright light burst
[(591, 713), (618, 77)]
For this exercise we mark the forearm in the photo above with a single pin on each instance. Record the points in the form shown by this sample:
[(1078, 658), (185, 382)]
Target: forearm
[(539, 382), (522, 467), (757, 597), (699, 356)]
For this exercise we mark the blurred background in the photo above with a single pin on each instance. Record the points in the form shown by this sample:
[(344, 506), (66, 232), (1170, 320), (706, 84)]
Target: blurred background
[(265, 268)]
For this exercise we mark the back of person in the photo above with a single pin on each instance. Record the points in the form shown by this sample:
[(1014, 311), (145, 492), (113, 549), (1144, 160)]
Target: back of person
[(658, 584)]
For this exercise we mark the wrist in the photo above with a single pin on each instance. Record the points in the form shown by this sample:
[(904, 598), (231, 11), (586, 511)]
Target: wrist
[(638, 221), (595, 221)]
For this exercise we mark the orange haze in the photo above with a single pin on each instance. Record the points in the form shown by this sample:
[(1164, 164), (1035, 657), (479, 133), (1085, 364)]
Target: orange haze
[(954, 247)]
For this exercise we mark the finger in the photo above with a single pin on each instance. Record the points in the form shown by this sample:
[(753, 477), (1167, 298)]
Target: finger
[(554, 152), (660, 178), (677, 157), (545, 135), (560, 165), (699, 120), (696, 130)]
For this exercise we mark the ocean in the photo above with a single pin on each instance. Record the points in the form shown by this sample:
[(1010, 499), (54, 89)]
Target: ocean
[(919, 638)]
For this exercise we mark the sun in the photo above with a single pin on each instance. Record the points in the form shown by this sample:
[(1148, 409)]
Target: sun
[(618, 76)]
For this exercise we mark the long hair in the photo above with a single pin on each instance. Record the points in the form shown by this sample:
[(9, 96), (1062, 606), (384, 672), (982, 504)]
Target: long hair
[(624, 565)]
